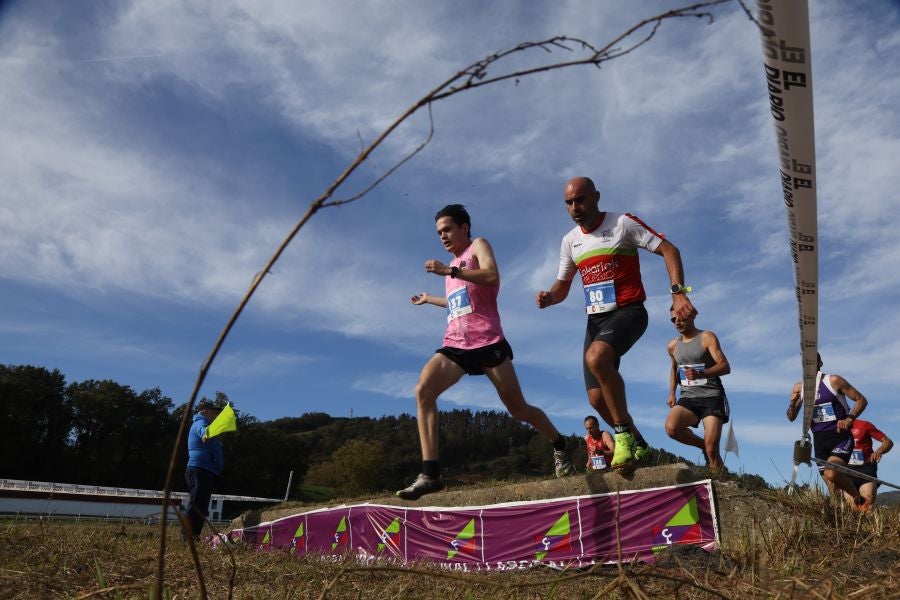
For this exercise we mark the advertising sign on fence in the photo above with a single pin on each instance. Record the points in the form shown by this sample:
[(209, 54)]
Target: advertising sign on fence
[(567, 532)]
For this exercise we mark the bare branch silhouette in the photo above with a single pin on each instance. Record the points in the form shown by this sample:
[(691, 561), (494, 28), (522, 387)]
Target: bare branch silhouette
[(471, 77)]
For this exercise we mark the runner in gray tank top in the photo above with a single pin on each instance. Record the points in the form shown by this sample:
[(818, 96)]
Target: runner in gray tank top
[(697, 365), (693, 353)]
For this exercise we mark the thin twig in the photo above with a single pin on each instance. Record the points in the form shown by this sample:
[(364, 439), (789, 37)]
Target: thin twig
[(331, 583), (185, 524)]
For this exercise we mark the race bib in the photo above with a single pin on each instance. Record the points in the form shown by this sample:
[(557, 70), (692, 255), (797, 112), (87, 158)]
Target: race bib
[(600, 297), (685, 382), (822, 413), (458, 303), (598, 463), (857, 458)]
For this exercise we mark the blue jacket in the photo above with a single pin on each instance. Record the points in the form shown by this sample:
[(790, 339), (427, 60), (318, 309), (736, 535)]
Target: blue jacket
[(204, 455)]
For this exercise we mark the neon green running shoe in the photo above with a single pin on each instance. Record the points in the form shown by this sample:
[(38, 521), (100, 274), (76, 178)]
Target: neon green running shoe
[(641, 452), (623, 457)]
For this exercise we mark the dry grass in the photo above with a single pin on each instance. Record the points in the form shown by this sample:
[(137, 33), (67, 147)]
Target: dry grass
[(799, 546)]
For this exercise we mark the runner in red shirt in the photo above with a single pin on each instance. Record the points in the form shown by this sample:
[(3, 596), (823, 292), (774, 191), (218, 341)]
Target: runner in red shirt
[(600, 445), (863, 459)]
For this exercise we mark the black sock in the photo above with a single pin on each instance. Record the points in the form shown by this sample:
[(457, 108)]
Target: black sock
[(432, 468), (622, 427), (559, 443)]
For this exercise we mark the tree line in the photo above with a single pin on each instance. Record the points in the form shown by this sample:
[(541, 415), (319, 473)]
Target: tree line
[(105, 433)]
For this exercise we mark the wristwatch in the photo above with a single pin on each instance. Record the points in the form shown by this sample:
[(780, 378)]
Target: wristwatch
[(677, 288), (454, 272)]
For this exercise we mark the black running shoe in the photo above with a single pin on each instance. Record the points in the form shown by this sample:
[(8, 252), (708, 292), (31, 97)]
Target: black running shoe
[(421, 486)]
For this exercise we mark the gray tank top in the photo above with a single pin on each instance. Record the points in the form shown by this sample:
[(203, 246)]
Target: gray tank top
[(692, 354)]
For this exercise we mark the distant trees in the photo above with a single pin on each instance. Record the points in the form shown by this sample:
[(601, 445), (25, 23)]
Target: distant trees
[(94, 432), (259, 459), (99, 432), (119, 437), (354, 468), (35, 422)]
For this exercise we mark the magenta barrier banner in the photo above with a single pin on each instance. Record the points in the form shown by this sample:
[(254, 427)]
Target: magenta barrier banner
[(566, 532)]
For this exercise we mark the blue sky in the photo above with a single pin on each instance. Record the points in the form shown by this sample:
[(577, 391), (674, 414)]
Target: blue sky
[(155, 153)]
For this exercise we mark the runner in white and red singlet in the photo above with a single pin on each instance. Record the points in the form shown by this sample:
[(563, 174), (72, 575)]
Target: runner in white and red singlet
[(473, 343), (603, 248)]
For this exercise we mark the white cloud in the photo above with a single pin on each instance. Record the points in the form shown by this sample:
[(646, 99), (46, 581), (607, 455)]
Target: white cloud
[(766, 434), (396, 384), (476, 392), (247, 364)]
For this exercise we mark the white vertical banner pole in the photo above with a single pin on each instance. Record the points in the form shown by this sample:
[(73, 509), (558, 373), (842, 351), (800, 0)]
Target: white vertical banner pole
[(787, 61)]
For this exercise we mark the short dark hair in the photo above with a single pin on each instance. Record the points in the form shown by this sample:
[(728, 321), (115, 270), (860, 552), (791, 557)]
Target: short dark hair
[(458, 213), (592, 418), (206, 403)]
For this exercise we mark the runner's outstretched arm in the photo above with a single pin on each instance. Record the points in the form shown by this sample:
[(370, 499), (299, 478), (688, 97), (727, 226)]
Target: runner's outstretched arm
[(673, 376), (859, 401), (886, 445), (557, 294), (711, 344), (680, 302), (794, 406), (425, 298)]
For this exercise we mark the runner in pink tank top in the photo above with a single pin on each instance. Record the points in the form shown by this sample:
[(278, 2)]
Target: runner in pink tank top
[(472, 317), (474, 344)]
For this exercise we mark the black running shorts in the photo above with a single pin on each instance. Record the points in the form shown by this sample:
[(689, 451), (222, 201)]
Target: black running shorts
[(869, 468), (473, 362), (620, 329), (706, 407), (832, 443)]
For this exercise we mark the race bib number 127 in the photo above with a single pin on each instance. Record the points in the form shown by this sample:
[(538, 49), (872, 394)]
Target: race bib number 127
[(598, 463)]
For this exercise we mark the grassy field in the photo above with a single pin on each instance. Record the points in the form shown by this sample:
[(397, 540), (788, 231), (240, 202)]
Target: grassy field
[(774, 546)]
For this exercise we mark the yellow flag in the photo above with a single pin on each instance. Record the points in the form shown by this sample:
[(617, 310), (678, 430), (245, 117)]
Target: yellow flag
[(226, 421)]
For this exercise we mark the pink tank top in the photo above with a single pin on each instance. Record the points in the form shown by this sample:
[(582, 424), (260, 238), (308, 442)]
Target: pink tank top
[(472, 317)]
